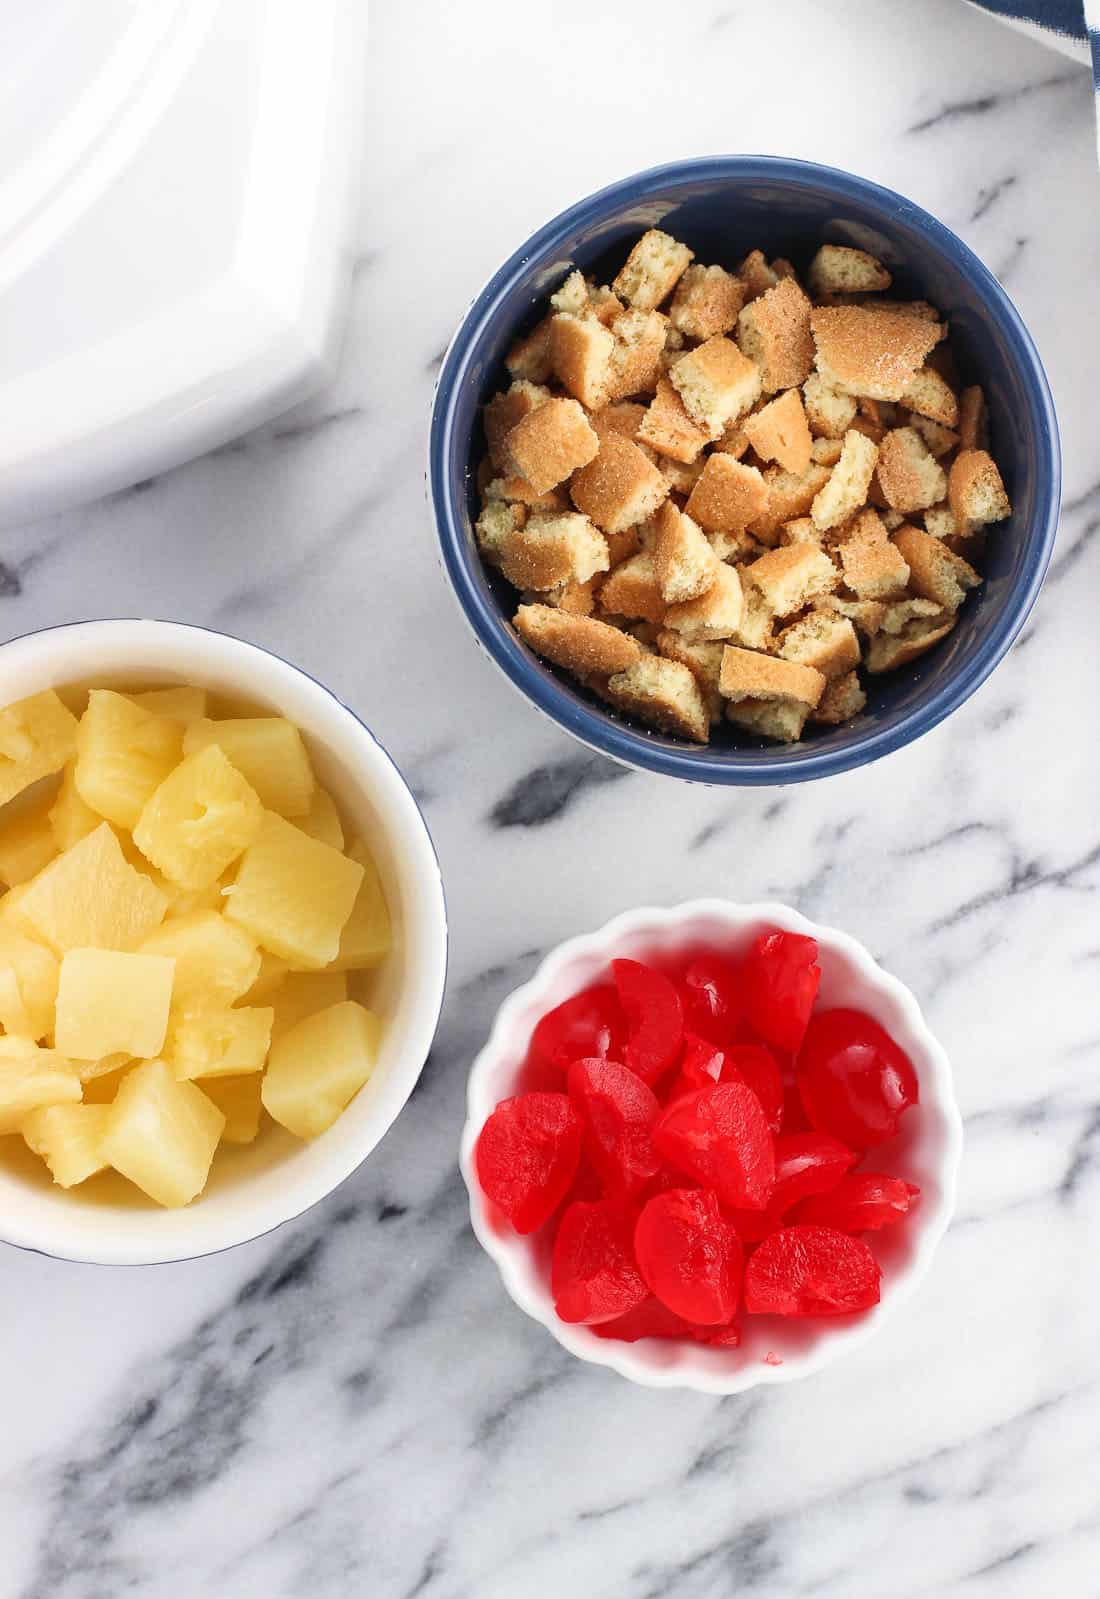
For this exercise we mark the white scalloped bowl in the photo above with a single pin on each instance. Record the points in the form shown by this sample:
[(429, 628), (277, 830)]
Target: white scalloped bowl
[(926, 1151)]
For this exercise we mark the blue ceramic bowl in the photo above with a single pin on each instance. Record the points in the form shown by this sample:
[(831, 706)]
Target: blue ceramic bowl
[(723, 206)]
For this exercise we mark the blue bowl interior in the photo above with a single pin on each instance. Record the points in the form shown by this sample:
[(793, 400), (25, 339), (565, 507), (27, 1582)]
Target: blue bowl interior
[(722, 209)]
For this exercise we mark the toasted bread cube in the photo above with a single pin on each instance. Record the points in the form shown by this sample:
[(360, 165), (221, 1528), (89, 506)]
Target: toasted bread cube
[(572, 296), (716, 383), (706, 302), (495, 525), (686, 565), (702, 657), (620, 487), (110, 1002), (747, 675), (728, 497), (91, 897), (973, 419), (826, 452), (939, 440), (827, 643), (663, 693), (517, 489), (789, 496), (909, 474), (633, 591), (667, 427), (934, 571), (639, 343), (529, 357), (501, 414), (199, 820), (715, 614), (652, 270), (939, 520), (897, 616), (578, 643), (681, 479), (756, 629), (846, 491), (580, 357), (887, 652), (207, 1042), (735, 546), (975, 491), (874, 569), (891, 519), (789, 577), (37, 736), (27, 841), (576, 599), (829, 413), (866, 616), (216, 961), (69, 1139), (734, 441), (782, 720), (870, 352), (161, 1134), (756, 276), (801, 530), (779, 432), (30, 1077), (774, 332), (623, 416), (123, 753), (294, 894), (839, 269), (551, 442), (316, 1069), (928, 395), (843, 698), (548, 551)]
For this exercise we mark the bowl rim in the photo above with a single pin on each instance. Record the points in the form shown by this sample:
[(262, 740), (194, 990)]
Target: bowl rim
[(303, 1196), (596, 729), (508, 1250)]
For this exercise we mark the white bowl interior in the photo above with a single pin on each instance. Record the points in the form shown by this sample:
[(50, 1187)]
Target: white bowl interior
[(926, 1151), (252, 1188)]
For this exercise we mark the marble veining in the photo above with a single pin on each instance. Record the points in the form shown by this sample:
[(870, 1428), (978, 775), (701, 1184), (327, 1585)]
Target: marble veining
[(351, 1406)]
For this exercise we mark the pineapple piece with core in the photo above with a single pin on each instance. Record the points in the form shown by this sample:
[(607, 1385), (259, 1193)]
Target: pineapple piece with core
[(268, 751), (294, 894), (30, 1077), (199, 820), (37, 737), (304, 994), (69, 1139), (123, 753), (27, 843), (238, 1099), (162, 1134), (216, 961), (219, 1043), (111, 1003), (317, 1068), (366, 937), (92, 898), (28, 984)]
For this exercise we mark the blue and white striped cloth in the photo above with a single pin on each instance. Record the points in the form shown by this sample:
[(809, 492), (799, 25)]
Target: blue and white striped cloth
[(1072, 26)]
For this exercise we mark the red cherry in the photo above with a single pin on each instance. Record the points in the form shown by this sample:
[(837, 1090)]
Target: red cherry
[(807, 1163), (758, 1068), (811, 1271), (618, 1111), (861, 1202), (689, 1255), (588, 1024), (526, 1156), (781, 976), (654, 1016), (650, 1319), (712, 1006), (701, 1063), (593, 1274), (855, 1082), (719, 1136)]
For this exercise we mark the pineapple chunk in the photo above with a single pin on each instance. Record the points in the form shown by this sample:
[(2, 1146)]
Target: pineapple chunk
[(322, 820), (102, 1088), (188, 900), (268, 751), (238, 1099), (123, 753), (26, 840), (91, 898), (37, 737), (199, 820), (28, 984), (106, 1066), (270, 979), (69, 1139), (317, 1068), (70, 818), (30, 1077), (366, 937), (215, 960), (180, 704), (304, 994), (162, 1134), (294, 893), (110, 1003), (219, 1043)]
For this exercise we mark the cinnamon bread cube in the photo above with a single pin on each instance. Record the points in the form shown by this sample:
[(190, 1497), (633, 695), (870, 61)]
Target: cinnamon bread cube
[(790, 577), (846, 490), (529, 356), (578, 643), (746, 675), (727, 496), (715, 614), (782, 720), (843, 698), (547, 551), (911, 477), (790, 495), (550, 443), (681, 479), (779, 432), (716, 383), (756, 276), (652, 270), (501, 413), (702, 657), (826, 452), (827, 643), (866, 616), (897, 616), (620, 487), (975, 491), (663, 693), (685, 564), (668, 428), (940, 440), (839, 269), (639, 342), (868, 352), (774, 332), (632, 590), (873, 568), (706, 302), (973, 419), (939, 520), (624, 416), (887, 652), (934, 571), (829, 413), (756, 629), (580, 358), (497, 521), (928, 395)]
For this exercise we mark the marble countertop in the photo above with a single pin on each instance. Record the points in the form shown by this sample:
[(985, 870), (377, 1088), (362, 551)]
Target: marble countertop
[(352, 1406)]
